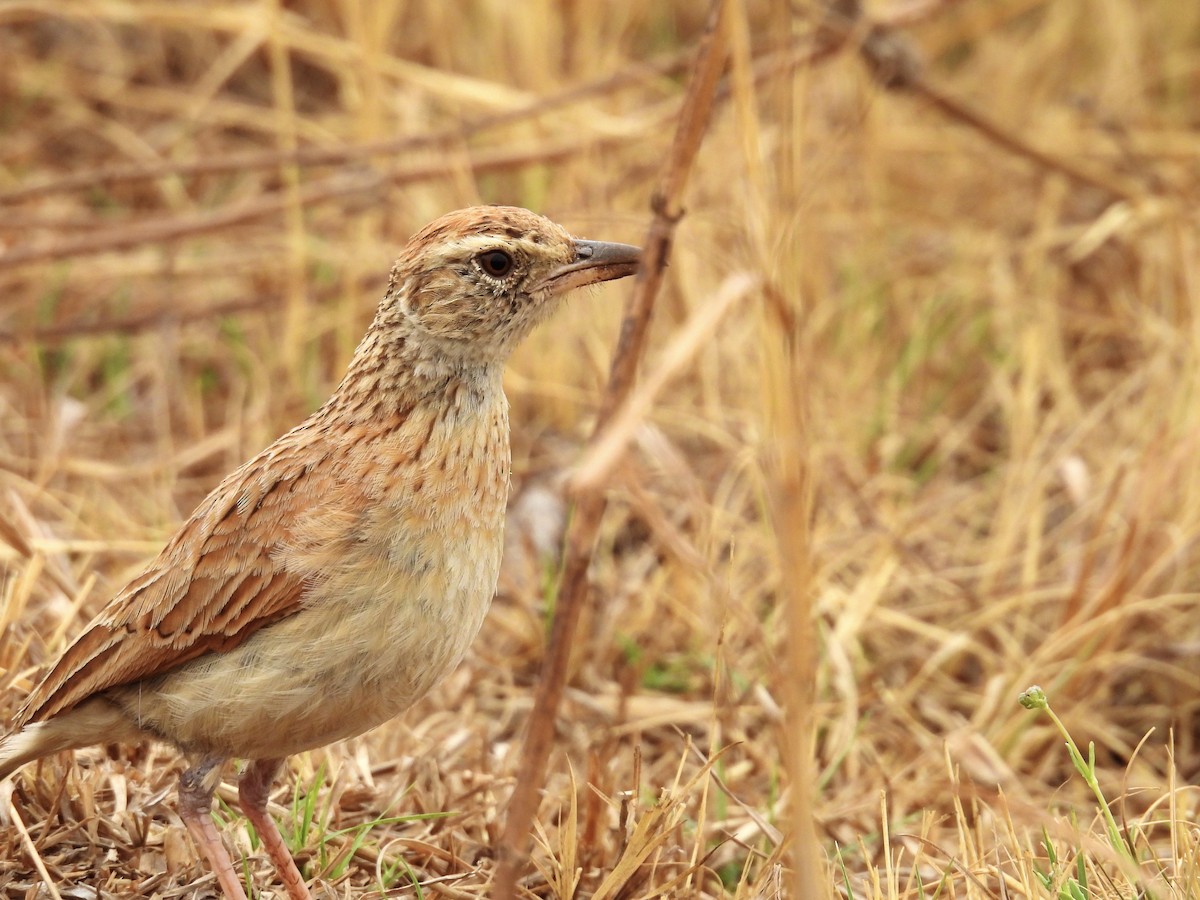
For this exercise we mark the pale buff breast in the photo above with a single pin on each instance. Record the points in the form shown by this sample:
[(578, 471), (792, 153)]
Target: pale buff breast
[(398, 612)]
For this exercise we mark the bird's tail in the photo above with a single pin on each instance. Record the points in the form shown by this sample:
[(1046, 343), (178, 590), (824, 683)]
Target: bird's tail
[(30, 743), (95, 722)]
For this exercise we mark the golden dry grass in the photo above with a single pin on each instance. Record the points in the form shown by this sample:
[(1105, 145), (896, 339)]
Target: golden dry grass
[(974, 333)]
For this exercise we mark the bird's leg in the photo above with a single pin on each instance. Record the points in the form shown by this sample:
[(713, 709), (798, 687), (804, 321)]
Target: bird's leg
[(253, 789), (196, 787)]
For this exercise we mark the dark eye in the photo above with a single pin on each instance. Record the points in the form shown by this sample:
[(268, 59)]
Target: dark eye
[(496, 263)]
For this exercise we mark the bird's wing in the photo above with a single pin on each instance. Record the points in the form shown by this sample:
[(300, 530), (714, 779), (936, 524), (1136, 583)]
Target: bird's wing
[(229, 571)]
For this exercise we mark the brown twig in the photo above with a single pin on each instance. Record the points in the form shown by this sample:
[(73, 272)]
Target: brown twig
[(176, 227), (791, 506), (895, 63), (693, 120), (137, 322), (125, 235), (334, 188), (1018, 146), (343, 154)]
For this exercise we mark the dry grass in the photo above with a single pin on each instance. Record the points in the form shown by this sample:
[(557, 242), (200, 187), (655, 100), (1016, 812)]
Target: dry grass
[(976, 340)]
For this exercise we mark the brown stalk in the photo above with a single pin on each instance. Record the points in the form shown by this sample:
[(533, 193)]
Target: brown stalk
[(895, 63), (711, 55), (177, 227), (1017, 145), (775, 64), (791, 508), (889, 57), (334, 188), (136, 323), (343, 154)]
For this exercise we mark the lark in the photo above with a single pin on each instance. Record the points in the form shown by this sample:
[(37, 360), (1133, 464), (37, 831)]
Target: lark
[(333, 579)]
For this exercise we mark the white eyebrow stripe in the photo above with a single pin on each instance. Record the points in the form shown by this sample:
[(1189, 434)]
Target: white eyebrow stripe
[(472, 245)]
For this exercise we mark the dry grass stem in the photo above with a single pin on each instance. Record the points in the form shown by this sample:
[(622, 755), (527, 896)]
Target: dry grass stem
[(602, 455), (589, 504)]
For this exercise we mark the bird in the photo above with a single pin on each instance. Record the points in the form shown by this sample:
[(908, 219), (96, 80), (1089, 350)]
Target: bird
[(334, 578)]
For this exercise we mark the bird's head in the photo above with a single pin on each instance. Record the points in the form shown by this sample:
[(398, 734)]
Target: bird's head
[(476, 281)]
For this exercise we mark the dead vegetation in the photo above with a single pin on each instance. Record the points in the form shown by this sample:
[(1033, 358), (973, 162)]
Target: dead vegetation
[(955, 415)]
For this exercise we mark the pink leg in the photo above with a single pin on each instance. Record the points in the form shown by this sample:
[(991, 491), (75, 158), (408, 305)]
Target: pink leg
[(253, 788), (195, 808)]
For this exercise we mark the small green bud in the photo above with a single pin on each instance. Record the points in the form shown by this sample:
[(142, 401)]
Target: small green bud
[(1033, 698)]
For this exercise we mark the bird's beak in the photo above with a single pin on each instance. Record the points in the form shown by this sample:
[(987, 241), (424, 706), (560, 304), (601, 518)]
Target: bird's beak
[(595, 261)]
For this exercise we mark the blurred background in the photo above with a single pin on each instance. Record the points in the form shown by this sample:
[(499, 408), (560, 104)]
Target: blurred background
[(975, 224)]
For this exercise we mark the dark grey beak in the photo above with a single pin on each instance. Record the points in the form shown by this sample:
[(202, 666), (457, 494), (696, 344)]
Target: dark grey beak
[(595, 261)]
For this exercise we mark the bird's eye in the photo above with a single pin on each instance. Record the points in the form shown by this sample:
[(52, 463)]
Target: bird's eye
[(496, 263)]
